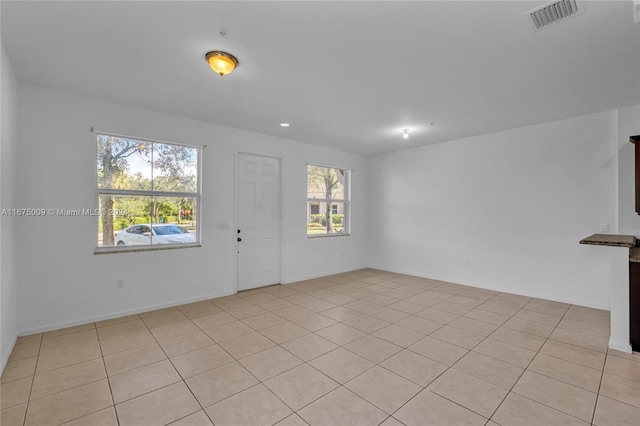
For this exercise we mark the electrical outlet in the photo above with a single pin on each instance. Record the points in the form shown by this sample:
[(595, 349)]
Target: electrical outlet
[(119, 284), (604, 227)]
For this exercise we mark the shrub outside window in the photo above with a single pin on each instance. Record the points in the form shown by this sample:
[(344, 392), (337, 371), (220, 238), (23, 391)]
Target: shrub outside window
[(148, 193), (328, 201)]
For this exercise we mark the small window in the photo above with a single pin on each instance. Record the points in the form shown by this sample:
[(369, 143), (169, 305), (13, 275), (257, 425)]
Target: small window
[(328, 201), (148, 193)]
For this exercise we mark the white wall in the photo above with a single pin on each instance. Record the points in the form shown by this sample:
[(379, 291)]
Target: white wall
[(503, 211), (63, 283), (8, 143)]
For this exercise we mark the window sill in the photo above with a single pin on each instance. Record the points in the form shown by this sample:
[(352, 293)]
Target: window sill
[(113, 250), (327, 236)]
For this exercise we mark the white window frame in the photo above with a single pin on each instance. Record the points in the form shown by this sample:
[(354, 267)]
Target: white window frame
[(346, 220), (151, 193)]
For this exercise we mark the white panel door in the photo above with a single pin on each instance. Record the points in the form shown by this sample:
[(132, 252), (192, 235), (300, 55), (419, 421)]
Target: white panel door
[(258, 221)]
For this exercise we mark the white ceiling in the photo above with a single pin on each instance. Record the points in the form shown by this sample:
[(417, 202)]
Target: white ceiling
[(347, 75)]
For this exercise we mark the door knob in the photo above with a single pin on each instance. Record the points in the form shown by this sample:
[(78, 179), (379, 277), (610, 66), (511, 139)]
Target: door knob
[(239, 239)]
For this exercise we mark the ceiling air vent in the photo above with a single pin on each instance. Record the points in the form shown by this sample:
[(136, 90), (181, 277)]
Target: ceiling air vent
[(555, 11)]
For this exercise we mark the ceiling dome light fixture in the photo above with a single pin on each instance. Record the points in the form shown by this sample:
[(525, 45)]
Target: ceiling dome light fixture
[(405, 133), (221, 62), (285, 124)]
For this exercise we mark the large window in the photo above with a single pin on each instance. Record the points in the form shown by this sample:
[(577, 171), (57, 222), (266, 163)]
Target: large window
[(328, 201), (148, 193)]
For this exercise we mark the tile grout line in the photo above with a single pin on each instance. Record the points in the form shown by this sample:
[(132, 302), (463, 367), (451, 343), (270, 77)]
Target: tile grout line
[(260, 382), (33, 379), (353, 378), (182, 379), (593, 416), (127, 371), (64, 390), (426, 388), (175, 368), (106, 372), (527, 369), (470, 350)]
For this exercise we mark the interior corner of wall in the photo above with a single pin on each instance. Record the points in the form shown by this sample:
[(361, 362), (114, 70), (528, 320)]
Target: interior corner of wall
[(6, 353)]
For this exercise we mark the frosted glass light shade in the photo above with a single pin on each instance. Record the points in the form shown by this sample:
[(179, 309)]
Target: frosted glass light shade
[(221, 62)]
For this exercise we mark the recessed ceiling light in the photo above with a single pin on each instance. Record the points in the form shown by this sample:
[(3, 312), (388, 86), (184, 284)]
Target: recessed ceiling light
[(405, 133), (285, 124)]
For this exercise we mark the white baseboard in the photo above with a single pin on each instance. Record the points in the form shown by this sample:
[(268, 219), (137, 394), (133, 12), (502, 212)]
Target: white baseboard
[(325, 274), (620, 346), (495, 288), (88, 320)]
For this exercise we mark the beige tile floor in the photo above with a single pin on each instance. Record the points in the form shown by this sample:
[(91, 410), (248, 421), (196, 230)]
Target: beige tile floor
[(362, 348)]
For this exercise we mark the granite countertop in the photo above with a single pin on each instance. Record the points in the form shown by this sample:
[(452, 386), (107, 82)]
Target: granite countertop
[(612, 240), (634, 255)]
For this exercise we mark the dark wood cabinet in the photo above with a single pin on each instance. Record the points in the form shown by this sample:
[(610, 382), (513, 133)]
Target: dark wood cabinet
[(636, 141), (634, 305), (634, 266)]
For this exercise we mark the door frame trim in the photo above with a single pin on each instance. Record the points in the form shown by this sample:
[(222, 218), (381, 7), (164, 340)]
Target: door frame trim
[(236, 210)]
